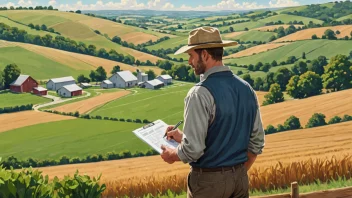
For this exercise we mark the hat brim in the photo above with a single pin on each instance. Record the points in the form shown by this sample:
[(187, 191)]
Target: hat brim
[(207, 45)]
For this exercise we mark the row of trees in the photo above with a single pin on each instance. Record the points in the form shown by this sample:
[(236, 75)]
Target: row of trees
[(179, 72), (331, 35), (8, 75), (266, 66), (42, 27), (16, 108), (317, 119), (29, 8), (59, 42)]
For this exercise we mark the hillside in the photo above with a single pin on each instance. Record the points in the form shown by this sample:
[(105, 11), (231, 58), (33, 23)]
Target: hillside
[(345, 30), (285, 147), (256, 49), (273, 27), (47, 63), (253, 36), (285, 18), (80, 27), (312, 48)]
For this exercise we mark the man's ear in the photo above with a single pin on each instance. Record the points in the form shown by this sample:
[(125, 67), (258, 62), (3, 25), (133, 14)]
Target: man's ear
[(206, 55)]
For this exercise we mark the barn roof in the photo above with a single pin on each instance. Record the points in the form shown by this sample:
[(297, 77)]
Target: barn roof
[(72, 88), (155, 82), (40, 88), (20, 80), (165, 77), (127, 76), (63, 79), (86, 84), (108, 82)]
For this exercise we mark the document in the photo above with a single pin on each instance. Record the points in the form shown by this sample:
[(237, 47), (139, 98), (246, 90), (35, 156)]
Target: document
[(153, 134)]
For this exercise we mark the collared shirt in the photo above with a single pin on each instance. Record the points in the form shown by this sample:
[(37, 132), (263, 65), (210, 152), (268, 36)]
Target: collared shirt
[(199, 113)]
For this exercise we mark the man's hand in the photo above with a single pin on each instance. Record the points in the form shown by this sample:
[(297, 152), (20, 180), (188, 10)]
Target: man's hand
[(174, 134), (251, 158), (169, 155)]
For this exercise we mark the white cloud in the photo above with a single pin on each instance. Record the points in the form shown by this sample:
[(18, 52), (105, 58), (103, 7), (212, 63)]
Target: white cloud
[(9, 4), (283, 3), (52, 2)]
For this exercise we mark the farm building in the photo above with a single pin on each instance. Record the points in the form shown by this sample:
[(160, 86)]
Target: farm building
[(24, 83), (142, 77), (153, 84), (166, 79), (85, 85), (57, 83), (70, 90), (40, 91), (106, 84), (124, 79)]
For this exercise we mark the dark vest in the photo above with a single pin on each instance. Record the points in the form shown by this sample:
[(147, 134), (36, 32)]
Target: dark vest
[(228, 135)]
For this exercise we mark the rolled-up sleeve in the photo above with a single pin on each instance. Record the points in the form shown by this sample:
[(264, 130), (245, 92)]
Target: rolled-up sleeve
[(257, 138), (196, 118)]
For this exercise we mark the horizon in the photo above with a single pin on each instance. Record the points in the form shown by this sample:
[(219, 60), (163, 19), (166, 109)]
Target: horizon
[(162, 5)]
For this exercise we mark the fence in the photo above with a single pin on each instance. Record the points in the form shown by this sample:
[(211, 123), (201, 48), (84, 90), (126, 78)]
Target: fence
[(333, 193)]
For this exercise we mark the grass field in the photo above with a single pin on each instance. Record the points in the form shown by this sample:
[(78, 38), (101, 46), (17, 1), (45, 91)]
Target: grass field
[(345, 17), (9, 99), (171, 43), (312, 48), (254, 36), (285, 18), (256, 50), (255, 74), (242, 26), (273, 27), (78, 137)]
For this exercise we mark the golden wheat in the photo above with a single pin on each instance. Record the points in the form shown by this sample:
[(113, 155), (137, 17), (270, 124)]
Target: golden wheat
[(274, 177)]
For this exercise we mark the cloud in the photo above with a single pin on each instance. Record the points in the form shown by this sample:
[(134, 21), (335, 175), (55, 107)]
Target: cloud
[(24, 3), (52, 2), (283, 3)]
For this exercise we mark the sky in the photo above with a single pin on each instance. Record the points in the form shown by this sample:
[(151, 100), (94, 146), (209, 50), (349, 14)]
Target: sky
[(199, 5)]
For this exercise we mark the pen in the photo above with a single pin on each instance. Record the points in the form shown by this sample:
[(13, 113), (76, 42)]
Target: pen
[(175, 127)]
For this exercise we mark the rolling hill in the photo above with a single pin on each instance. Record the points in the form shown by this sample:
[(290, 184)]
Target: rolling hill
[(253, 36), (285, 18)]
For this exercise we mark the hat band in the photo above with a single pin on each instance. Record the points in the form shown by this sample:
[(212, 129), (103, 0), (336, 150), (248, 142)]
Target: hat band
[(204, 43)]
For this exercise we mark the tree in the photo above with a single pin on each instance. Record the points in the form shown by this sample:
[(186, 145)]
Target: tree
[(164, 64), (300, 68), (292, 87), (43, 27), (11, 73), (314, 36), (338, 32), (2, 80), (116, 39), (78, 11), (272, 38), (93, 76), (82, 79), (317, 119), (101, 74), (330, 34), (138, 62), (231, 29), (292, 123), (258, 83), (274, 63), (315, 67), (50, 8), (270, 129), (350, 54), (334, 120), (282, 76), (274, 96), (247, 78), (151, 74), (337, 74), (308, 84), (115, 69), (304, 55), (291, 60)]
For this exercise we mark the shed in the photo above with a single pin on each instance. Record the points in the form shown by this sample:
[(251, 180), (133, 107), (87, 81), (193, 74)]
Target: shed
[(70, 90), (106, 84), (124, 79), (85, 85), (57, 83), (40, 91), (166, 79), (24, 83), (153, 84)]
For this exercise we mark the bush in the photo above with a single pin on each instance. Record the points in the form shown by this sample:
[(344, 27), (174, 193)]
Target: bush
[(346, 118), (318, 119), (270, 129), (334, 120), (129, 120), (292, 123), (122, 120)]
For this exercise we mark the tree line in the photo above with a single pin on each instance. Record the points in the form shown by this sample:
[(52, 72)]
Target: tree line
[(59, 42), (29, 8), (16, 108)]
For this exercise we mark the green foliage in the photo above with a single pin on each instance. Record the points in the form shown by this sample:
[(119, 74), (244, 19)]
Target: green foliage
[(274, 96), (247, 78), (16, 108), (2, 80), (314, 36), (82, 79), (151, 74), (270, 129), (258, 84), (338, 73), (11, 73), (317, 119), (292, 87), (115, 69), (346, 118), (317, 65), (299, 68), (329, 34), (292, 123), (282, 76), (334, 120)]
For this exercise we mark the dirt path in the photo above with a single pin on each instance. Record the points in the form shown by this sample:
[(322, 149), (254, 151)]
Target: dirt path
[(87, 105), (11, 121)]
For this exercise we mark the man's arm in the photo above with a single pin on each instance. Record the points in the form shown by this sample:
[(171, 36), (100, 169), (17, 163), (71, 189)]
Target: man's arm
[(198, 106)]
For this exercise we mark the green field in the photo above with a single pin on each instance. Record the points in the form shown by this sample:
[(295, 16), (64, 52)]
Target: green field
[(291, 9), (74, 138), (242, 26), (345, 17), (166, 104), (255, 74), (285, 18), (254, 36), (312, 48), (9, 99), (38, 66), (171, 43)]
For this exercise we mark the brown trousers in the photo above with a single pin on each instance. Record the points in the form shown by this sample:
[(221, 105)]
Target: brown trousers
[(233, 183)]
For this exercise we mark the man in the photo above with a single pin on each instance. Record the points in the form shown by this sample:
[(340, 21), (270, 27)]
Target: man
[(223, 132)]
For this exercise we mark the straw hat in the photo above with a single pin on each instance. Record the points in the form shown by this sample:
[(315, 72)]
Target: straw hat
[(205, 37)]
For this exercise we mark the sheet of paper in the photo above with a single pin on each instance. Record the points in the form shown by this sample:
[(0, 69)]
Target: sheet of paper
[(153, 134)]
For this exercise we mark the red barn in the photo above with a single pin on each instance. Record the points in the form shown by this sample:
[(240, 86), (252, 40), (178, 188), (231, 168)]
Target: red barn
[(40, 91), (24, 83)]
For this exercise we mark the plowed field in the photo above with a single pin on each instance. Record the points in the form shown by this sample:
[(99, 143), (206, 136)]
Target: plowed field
[(86, 105), (11, 121)]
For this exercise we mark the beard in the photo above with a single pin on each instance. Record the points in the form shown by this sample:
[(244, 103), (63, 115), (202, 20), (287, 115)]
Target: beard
[(199, 68)]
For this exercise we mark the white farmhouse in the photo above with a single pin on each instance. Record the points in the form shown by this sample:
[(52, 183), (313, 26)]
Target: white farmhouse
[(166, 79), (57, 83), (153, 84), (124, 79), (106, 84), (68, 91)]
